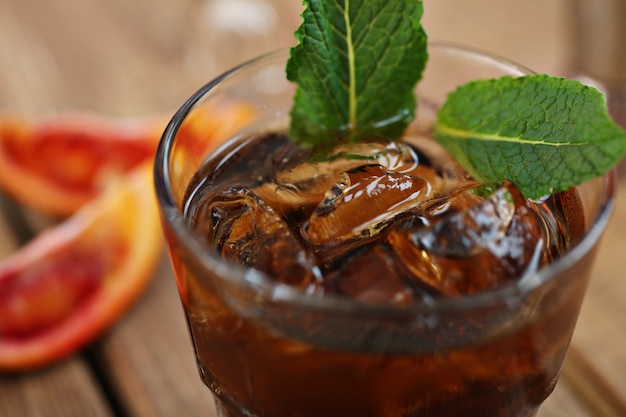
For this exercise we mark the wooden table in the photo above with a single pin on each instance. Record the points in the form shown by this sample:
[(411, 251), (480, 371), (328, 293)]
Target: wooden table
[(137, 57)]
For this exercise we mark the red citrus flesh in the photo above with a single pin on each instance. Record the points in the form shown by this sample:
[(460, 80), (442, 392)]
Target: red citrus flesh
[(73, 281), (56, 164)]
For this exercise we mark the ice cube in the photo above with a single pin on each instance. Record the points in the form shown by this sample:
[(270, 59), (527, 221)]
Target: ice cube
[(362, 203), (310, 174), (371, 276), (394, 156), (289, 201), (246, 230), (478, 248)]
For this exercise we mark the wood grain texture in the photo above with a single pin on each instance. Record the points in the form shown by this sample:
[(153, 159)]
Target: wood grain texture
[(597, 361), (565, 403), (148, 357), (140, 57), (67, 389), (534, 33)]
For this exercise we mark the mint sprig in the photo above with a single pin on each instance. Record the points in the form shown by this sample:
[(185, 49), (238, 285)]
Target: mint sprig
[(356, 65), (544, 133)]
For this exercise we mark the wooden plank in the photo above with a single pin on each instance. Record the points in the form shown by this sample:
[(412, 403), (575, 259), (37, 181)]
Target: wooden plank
[(13, 227), (534, 33), (93, 54), (148, 359), (81, 55), (595, 388), (67, 389), (598, 354), (565, 403), (96, 55)]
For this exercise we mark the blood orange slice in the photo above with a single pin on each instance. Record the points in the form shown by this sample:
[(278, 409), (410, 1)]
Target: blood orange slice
[(60, 291), (55, 164)]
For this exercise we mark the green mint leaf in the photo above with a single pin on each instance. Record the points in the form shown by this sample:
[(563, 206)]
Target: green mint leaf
[(356, 65), (544, 133)]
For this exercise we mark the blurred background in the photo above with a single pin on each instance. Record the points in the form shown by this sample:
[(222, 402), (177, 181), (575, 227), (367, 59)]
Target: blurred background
[(144, 57), (141, 56)]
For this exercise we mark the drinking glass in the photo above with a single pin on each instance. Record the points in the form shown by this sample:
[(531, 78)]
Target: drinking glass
[(269, 350)]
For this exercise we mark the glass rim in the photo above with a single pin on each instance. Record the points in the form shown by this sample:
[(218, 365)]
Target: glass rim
[(259, 281)]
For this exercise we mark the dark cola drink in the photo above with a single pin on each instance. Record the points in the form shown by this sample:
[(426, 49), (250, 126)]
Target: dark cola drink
[(426, 268)]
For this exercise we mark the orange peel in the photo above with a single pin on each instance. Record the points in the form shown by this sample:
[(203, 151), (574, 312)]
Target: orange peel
[(63, 289), (56, 164)]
